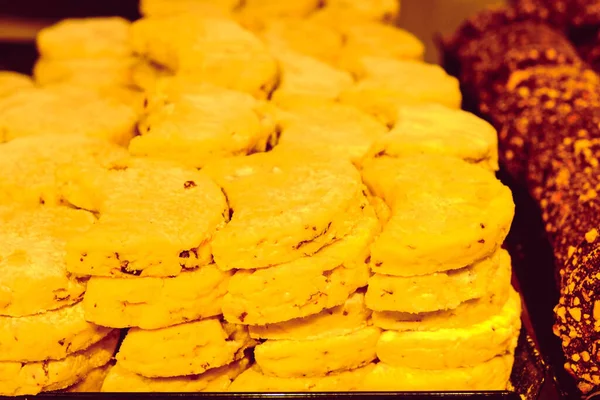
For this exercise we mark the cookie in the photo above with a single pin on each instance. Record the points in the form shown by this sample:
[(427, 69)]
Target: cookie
[(218, 50), (490, 375), (342, 131), (435, 129), (152, 303), (303, 36), (32, 259), (30, 164), (186, 349), (304, 286), (46, 111), (132, 236), (467, 346), (337, 321), (438, 194), (145, 74), (317, 357), (256, 13), (214, 380), (386, 83), (372, 39), (306, 201), (92, 381), (18, 379), (440, 290), (95, 72), (351, 11), (197, 123), (162, 8), (307, 80), (11, 82), (255, 381), (65, 332), (106, 37)]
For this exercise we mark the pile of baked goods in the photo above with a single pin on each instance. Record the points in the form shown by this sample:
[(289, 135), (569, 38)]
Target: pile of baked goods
[(522, 73), (274, 196)]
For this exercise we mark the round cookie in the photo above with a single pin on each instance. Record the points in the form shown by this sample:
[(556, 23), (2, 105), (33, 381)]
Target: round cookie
[(339, 12), (163, 8), (32, 378), (85, 38), (11, 82), (187, 349), (95, 72), (65, 332), (152, 303), (155, 218), (33, 269), (256, 13)]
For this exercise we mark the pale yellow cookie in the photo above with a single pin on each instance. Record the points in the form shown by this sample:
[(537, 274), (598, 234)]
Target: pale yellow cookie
[(253, 380), (307, 80), (455, 347), (305, 202), (187, 349), (440, 290), (386, 83), (33, 271), (213, 8), (145, 74), (435, 129), (305, 286), (86, 72), (77, 111), (256, 13), (214, 380), (65, 331), (155, 218), (194, 123), (29, 164), (85, 38), (338, 12), (152, 303), (446, 214), (32, 378), (490, 375), (317, 357), (92, 382), (342, 131), (218, 51), (337, 321), (11, 82)]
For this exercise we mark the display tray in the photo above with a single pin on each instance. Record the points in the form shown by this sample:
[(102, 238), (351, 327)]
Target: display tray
[(538, 372)]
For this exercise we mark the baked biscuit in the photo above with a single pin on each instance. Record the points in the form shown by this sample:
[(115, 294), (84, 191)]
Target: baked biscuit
[(152, 303), (457, 347), (50, 111), (186, 349), (440, 290), (307, 80), (85, 38), (18, 378), (29, 164), (372, 39), (253, 380), (92, 381), (435, 129), (214, 380), (352, 11), (65, 331), (441, 214), (86, 72), (490, 375), (306, 201), (11, 82), (196, 123), (386, 83), (303, 36), (155, 218), (337, 321), (317, 357), (145, 74), (217, 50), (160, 8), (343, 132), (32, 259), (255, 13), (305, 286)]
